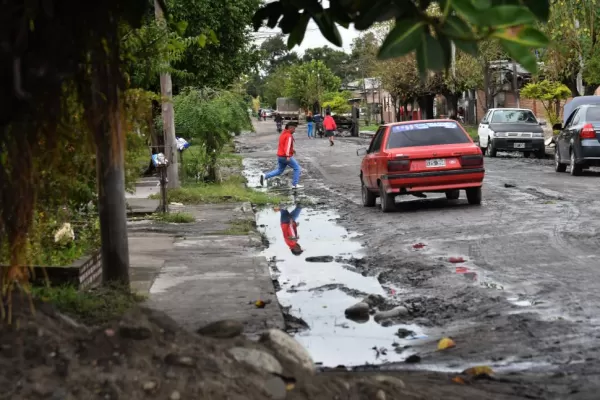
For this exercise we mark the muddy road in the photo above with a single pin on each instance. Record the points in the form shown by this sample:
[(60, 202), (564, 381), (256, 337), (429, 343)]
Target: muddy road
[(515, 282)]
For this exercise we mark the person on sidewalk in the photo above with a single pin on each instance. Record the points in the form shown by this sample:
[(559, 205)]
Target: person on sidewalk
[(259, 114), (285, 157), (278, 122), (289, 228), (309, 125), (330, 127)]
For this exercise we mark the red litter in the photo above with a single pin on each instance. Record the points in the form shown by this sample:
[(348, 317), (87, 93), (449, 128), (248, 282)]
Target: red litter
[(462, 270), (418, 246), (456, 260)]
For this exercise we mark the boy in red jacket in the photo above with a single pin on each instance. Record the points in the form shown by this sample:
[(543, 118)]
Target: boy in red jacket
[(330, 127), (285, 157), (289, 228)]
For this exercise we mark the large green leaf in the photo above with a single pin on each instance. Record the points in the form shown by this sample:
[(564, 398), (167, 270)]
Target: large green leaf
[(522, 54), (507, 15), (297, 35), (328, 28), (481, 4), (465, 9), (461, 34), (403, 39), (528, 37), (540, 8), (430, 54)]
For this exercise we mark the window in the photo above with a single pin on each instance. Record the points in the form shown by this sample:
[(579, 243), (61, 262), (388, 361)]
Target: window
[(513, 116), (576, 118), (593, 114), (486, 118), (425, 134), (376, 143), (572, 118)]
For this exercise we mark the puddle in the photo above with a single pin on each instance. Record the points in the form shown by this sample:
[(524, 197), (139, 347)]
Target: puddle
[(320, 292)]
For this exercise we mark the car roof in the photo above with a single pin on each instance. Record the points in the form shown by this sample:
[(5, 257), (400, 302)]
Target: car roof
[(510, 109), (576, 102), (419, 121)]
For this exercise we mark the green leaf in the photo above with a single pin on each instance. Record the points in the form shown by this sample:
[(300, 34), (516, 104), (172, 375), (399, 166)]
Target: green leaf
[(202, 40), (271, 12), (437, 55), (445, 6), (465, 9), (380, 11), (521, 54), (466, 46), (457, 28), (213, 37), (539, 8), (507, 15), (481, 4), (297, 35), (181, 26), (528, 37), (288, 22), (328, 28), (404, 38)]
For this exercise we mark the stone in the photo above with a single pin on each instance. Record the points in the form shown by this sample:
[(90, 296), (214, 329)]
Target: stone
[(180, 361), (404, 333), (380, 395), (275, 386), (374, 300), (175, 395), (224, 329), (390, 380), (393, 313), (413, 359), (360, 309), (149, 386), (288, 349), (135, 332), (319, 259), (258, 359)]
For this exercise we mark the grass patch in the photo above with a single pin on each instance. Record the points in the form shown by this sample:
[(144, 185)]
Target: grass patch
[(240, 227), (231, 160), (472, 131), (92, 307), (175, 218), (231, 190), (372, 128)]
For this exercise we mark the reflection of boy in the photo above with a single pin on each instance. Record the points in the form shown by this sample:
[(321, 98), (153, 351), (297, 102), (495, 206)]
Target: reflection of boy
[(289, 226)]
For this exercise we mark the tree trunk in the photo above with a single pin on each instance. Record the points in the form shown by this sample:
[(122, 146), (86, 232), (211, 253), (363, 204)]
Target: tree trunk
[(166, 89), (426, 106), (489, 98), (452, 103)]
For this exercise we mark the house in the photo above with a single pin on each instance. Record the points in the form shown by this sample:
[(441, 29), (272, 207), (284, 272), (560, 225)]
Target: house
[(374, 100)]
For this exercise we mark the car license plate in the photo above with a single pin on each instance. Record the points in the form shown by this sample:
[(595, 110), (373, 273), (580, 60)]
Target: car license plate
[(519, 145), (435, 162)]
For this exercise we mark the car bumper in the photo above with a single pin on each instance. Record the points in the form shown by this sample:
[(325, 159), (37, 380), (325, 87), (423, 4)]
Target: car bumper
[(433, 181), (508, 144), (589, 152)]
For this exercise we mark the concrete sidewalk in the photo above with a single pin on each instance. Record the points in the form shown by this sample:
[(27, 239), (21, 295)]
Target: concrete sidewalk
[(199, 273)]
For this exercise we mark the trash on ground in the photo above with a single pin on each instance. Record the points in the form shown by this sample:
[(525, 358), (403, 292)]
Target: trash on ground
[(446, 343), (456, 260)]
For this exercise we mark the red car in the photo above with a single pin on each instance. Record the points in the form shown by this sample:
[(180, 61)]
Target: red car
[(420, 156)]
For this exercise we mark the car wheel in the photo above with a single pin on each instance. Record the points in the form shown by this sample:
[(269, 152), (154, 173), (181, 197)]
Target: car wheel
[(453, 194), (558, 166), (474, 195), (387, 200), (491, 150), (368, 197), (575, 168), (526, 154)]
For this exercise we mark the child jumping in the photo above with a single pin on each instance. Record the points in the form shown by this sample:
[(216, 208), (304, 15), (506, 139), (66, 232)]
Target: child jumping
[(285, 157)]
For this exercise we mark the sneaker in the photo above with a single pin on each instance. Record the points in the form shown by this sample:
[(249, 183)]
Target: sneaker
[(331, 143), (262, 179), (297, 186)]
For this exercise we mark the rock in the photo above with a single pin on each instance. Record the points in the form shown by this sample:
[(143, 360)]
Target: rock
[(224, 329), (135, 332), (390, 380), (404, 333), (180, 361), (413, 359), (380, 395), (374, 300), (149, 386), (275, 386), (175, 395), (393, 313), (258, 359), (322, 259), (289, 350), (360, 309)]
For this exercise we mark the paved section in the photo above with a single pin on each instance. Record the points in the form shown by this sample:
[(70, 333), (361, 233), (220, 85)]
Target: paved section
[(199, 273), (532, 297)]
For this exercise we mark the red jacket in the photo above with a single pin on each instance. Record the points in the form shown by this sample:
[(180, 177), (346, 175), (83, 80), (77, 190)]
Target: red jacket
[(329, 123), (290, 234), (286, 144)]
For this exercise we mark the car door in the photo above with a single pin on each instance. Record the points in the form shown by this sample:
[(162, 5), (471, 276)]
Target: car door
[(371, 159), (482, 130), (567, 134)]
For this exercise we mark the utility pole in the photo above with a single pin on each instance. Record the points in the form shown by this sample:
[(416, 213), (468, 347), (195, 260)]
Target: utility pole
[(580, 87), (168, 116), (515, 82)]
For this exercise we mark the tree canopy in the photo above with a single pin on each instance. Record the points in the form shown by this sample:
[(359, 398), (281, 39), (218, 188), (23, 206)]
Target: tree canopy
[(309, 81)]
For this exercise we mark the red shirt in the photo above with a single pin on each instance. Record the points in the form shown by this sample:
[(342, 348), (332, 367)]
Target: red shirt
[(290, 234), (329, 123), (286, 144)]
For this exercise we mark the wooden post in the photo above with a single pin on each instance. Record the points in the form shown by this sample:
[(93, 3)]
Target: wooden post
[(168, 116)]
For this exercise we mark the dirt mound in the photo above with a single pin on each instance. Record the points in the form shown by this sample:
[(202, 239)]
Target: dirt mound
[(146, 355)]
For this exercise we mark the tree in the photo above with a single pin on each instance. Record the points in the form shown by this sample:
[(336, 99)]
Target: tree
[(216, 65), (275, 85), (308, 81), (336, 60), (274, 53), (550, 94), (462, 22), (490, 52), (465, 74), (337, 102)]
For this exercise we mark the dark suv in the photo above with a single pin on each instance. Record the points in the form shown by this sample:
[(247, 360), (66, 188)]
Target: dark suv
[(578, 143)]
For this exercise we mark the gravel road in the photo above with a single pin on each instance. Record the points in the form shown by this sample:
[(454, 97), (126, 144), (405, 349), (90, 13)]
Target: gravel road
[(526, 296)]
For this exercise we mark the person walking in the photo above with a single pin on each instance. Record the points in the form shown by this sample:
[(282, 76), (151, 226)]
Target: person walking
[(309, 125), (285, 157), (259, 114), (330, 127), (278, 122)]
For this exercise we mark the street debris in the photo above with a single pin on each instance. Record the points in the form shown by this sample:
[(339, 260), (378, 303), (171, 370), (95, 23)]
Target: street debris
[(413, 359), (446, 343), (319, 259), (456, 260), (418, 245), (479, 371)]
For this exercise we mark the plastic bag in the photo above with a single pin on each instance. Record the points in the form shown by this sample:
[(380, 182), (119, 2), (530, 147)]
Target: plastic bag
[(159, 159), (182, 144)]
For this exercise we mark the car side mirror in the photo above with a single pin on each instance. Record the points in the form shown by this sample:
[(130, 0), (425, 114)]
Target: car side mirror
[(543, 123), (361, 152), (557, 127)]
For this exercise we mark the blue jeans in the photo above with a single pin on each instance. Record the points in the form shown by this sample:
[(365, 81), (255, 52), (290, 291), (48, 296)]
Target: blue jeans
[(282, 163), (310, 129), (287, 217)]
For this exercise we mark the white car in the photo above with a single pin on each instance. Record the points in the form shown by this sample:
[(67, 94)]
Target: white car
[(511, 129)]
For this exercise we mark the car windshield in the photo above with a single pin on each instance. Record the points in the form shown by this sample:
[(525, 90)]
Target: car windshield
[(593, 114), (425, 134), (513, 116)]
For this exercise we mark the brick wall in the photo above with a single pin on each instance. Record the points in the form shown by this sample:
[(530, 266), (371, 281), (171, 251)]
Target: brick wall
[(510, 101)]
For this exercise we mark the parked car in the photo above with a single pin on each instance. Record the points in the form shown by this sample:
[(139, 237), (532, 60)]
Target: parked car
[(415, 157), (511, 129), (269, 113), (578, 143)]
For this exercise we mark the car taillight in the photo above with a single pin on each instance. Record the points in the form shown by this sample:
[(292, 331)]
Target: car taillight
[(587, 132), (471, 161), (398, 165)]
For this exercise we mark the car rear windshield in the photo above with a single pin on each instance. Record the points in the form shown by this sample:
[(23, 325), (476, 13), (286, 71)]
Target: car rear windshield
[(425, 134), (510, 116), (593, 114)]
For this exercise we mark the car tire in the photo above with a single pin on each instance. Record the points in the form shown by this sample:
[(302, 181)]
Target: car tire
[(387, 200), (474, 195), (491, 150), (526, 154), (368, 197), (453, 194), (575, 168), (558, 166)]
